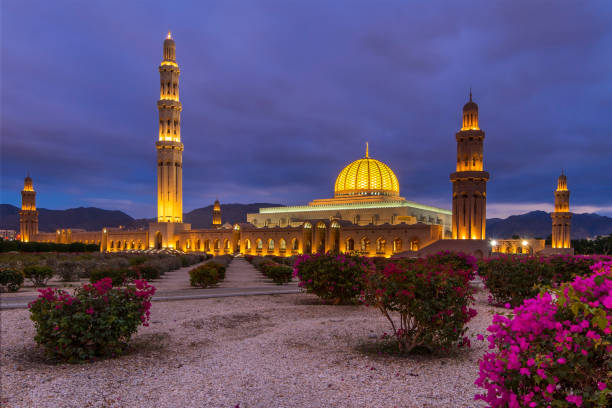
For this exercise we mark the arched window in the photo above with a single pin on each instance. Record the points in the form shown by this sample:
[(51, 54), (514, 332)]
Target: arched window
[(206, 245), (247, 244), (380, 245), (226, 244), (282, 244), (295, 244), (350, 244), (216, 245), (271, 245), (414, 244), (112, 245), (259, 243), (365, 244), (397, 245)]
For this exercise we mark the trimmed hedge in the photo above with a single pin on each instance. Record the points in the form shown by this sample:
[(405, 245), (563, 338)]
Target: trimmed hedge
[(6, 246), (207, 275), (38, 275), (512, 279), (11, 279), (279, 272)]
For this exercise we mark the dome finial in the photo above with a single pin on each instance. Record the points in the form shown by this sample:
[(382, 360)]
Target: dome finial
[(169, 37), (367, 151), (470, 93)]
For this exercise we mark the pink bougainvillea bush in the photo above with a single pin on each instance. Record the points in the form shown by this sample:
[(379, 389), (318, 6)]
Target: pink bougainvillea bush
[(96, 321), (554, 350), (426, 302), (331, 276)]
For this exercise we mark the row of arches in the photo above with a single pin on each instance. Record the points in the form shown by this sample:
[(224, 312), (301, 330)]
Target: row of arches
[(125, 245), (271, 245), (364, 245)]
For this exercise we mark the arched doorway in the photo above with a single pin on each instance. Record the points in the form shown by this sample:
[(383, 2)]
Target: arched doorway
[(320, 234), (158, 240), (335, 237)]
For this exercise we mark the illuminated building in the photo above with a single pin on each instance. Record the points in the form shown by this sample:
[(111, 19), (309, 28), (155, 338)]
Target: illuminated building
[(28, 216), (469, 181), (561, 217), (366, 192), (366, 214), (216, 216), (169, 146)]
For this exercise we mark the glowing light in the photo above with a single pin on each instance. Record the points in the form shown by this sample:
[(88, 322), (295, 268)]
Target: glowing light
[(351, 206), (494, 243), (169, 36), (367, 176), (524, 243), (174, 64)]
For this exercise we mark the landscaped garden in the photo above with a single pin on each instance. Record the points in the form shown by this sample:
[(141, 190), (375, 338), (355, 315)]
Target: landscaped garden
[(443, 331)]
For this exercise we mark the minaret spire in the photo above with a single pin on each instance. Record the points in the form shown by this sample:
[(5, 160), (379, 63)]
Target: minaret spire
[(470, 179), (367, 151), (169, 146)]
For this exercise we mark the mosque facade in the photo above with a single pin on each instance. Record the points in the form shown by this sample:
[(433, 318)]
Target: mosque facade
[(366, 215)]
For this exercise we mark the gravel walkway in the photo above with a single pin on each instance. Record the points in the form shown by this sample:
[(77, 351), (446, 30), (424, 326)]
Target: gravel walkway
[(263, 351), (242, 279)]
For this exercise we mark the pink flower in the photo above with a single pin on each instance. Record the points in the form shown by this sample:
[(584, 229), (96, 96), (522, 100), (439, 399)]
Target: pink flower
[(561, 360), (525, 371), (90, 311), (601, 385), (576, 399), (530, 362)]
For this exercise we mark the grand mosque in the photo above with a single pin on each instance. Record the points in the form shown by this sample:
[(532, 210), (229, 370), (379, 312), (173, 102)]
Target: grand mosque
[(366, 215)]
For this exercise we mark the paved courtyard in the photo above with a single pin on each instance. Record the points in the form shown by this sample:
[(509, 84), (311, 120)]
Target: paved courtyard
[(241, 279)]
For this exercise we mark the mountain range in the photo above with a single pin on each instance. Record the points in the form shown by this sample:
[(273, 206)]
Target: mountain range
[(535, 224)]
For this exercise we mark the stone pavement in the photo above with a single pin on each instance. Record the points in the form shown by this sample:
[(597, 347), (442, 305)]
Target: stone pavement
[(241, 279)]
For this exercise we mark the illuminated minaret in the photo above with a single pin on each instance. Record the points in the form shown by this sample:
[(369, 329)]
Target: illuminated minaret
[(470, 180), (562, 217), (216, 218), (169, 146), (28, 216)]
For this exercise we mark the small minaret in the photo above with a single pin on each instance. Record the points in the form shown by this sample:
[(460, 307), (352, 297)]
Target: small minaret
[(561, 217), (28, 216), (470, 180), (169, 146), (216, 218)]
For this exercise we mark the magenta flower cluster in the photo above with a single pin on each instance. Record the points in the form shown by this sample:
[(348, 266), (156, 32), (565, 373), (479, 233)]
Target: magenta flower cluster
[(97, 320), (554, 349)]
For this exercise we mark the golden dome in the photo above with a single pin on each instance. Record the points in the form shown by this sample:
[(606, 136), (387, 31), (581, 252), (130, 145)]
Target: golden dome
[(366, 176)]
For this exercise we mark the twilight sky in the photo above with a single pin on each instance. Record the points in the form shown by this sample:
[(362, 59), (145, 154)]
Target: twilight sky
[(278, 96)]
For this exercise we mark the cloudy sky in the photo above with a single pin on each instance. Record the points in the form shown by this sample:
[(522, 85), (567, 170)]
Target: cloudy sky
[(278, 96)]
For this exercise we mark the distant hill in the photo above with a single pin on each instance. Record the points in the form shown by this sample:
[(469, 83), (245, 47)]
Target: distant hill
[(88, 218), (537, 224), (93, 219), (232, 213)]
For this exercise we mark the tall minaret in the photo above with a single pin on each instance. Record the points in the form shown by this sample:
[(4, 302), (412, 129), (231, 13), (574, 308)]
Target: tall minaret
[(561, 218), (169, 146), (216, 218), (28, 216), (469, 181)]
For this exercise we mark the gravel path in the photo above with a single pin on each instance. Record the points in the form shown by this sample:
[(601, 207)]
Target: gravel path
[(263, 351), (241, 279)]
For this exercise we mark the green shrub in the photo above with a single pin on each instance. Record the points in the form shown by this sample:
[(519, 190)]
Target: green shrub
[(118, 276), (97, 321), (11, 279), (426, 303), (512, 279), (67, 271), (280, 274), (207, 275), (39, 275), (332, 277), (146, 272)]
